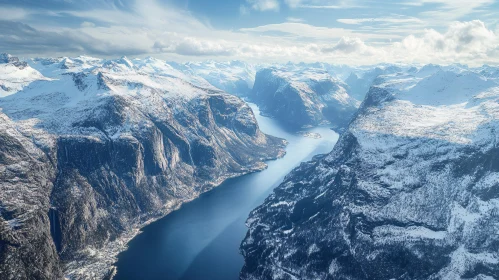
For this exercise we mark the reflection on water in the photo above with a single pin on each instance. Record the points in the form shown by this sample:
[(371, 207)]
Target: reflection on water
[(201, 240)]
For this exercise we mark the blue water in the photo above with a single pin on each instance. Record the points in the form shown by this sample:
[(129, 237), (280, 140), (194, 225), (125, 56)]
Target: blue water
[(200, 241)]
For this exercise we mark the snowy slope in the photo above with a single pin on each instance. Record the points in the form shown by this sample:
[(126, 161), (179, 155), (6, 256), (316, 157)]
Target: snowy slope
[(15, 75), (409, 192), (103, 147), (234, 77)]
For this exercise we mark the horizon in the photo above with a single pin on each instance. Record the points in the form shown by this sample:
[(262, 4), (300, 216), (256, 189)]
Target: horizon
[(275, 64)]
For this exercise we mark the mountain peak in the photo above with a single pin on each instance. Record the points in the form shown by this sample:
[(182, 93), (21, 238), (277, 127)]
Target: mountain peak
[(7, 58), (125, 61)]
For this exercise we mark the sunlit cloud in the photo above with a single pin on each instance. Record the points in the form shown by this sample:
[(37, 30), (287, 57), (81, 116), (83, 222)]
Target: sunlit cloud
[(149, 27)]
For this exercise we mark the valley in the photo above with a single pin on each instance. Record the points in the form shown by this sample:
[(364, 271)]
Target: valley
[(232, 170), (201, 240)]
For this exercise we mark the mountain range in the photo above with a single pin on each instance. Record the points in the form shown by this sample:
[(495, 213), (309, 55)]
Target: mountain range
[(94, 149)]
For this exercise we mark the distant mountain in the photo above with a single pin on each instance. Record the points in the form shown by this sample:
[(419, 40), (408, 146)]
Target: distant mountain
[(15, 75), (234, 77), (360, 81), (91, 149), (303, 97), (409, 192)]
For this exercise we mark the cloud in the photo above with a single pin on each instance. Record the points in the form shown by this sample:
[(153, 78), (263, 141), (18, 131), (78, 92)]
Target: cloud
[(322, 4), (87, 24), (348, 45), (463, 41), (147, 27), (293, 19), (244, 10), (62, 5), (448, 10), (7, 13), (189, 46), (308, 31), (17, 37), (263, 5), (357, 21), (293, 3)]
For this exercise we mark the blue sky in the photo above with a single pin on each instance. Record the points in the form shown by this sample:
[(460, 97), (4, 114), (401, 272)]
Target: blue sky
[(336, 31)]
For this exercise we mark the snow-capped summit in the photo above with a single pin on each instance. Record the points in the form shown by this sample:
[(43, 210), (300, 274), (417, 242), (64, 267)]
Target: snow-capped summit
[(53, 67), (119, 65), (125, 61), (7, 58), (16, 75), (428, 70), (488, 71)]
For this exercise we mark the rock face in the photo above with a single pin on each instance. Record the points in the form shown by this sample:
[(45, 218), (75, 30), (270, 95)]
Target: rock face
[(306, 97), (409, 192), (26, 181), (91, 150)]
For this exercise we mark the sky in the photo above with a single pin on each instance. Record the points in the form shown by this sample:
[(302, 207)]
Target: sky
[(333, 31)]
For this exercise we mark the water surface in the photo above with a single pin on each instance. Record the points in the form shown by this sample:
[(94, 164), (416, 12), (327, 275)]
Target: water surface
[(200, 241)]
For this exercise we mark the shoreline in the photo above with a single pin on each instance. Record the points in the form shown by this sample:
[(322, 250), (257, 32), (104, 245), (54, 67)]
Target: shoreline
[(99, 263)]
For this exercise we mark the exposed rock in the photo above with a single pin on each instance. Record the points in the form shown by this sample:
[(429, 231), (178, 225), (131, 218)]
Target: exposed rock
[(91, 153), (308, 97), (409, 192)]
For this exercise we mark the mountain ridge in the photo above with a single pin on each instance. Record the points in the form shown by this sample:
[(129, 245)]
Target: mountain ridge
[(117, 146)]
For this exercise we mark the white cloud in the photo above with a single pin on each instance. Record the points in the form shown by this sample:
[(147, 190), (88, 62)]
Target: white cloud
[(449, 10), (87, 24), (356, 21), (293, 19), (468, 42), (167, 32), (293, 3), (244, 10), (348, 45), (308, 31), (323, 4), (264, 5), (190, 46), (464, 42), (12, 13)]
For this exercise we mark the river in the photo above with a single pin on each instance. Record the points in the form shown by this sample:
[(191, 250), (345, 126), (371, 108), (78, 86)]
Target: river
[(200, 241)]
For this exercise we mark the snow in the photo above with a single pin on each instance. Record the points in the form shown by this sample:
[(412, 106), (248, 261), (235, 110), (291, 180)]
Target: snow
[(415, 172), (72, 93), (313, 249), (223, 74), (390, 233), (446, 88), (445, 105), (14, 78)]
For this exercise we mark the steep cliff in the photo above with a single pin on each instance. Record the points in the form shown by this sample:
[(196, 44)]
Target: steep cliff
[(303, 97), (409, 192), (91, 150)]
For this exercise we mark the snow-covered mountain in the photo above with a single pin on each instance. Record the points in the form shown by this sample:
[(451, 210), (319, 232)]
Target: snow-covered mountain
[(15, 75), (409, 192), (361, 80), (234, 77), (93, 149), (303, 97)]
